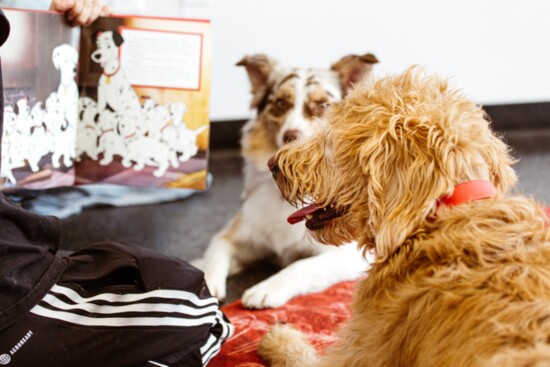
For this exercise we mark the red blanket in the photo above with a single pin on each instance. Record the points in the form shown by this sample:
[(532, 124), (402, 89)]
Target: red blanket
[(318, 315)]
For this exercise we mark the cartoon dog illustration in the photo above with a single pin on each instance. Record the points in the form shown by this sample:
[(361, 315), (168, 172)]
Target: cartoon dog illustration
[(114, 90), (62, 131), (111, 142), (65, 59), (8, 151), (145, 150), (88, 118)]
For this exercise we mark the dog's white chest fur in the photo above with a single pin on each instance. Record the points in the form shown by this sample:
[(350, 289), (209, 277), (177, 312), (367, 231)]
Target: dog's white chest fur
[(264, 226)]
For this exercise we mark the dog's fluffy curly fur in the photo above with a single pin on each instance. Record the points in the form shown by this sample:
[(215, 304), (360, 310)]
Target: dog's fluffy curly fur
[(467, 285)]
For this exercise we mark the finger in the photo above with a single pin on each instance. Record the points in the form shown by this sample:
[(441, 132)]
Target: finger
[(84, 15), (61, 5), (75, 10), (94, 13), (106, 10)]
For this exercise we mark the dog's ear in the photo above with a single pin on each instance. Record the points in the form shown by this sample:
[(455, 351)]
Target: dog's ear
[(401, 191), (259, 68), (352, 69), (499, 160), (117, 38), (421, 164)]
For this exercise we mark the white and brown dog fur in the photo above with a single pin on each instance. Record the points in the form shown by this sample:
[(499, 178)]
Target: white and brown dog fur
[(289, 103)]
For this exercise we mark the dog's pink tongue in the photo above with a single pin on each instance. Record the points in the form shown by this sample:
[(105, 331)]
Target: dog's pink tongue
[(300, 215)]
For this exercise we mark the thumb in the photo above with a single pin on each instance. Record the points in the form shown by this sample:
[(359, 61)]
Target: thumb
[(61, 5)]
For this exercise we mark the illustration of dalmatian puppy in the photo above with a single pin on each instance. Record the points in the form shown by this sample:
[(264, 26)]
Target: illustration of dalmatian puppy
[(144, 150), (88, 129), (157, 121), (177, 136), (183, 140), (62, 132), (55, 117), (24, 125), (9, 153), (114, 89), (5, 169), (111, 142), (177, 110), (65, 59), (15, 150), (41, 138), (24, 118)]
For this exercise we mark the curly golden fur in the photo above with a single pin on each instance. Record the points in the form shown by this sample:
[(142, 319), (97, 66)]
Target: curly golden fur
[(467, 285)]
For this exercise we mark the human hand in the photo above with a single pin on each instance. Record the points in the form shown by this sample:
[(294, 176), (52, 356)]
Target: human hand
[(81, 12)]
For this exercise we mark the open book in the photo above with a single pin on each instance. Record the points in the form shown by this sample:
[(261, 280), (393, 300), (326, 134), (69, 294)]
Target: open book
[(124, 101)]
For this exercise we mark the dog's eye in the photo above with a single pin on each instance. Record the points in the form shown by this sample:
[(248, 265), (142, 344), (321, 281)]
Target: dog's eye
[(281, 103), (325, 105)]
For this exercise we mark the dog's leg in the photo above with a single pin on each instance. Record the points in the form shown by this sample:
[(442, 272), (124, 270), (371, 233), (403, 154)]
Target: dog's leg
[(33, 163), (126, 161), (55, 159), (174, 159), (161, 170), (92, 153), (284, 346), (218, 261), (107, 159), (67, 161), (140, 164), (308, 275)]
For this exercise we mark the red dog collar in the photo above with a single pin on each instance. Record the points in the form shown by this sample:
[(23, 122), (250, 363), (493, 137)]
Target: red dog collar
[(470, 191)]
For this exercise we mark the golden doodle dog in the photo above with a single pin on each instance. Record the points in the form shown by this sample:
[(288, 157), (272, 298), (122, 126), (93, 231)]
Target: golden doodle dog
[(410, 169)]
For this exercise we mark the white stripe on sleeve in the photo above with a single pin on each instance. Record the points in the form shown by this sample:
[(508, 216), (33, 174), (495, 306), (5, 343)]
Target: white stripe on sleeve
[(134, 307), (121, 321), (133, 297)]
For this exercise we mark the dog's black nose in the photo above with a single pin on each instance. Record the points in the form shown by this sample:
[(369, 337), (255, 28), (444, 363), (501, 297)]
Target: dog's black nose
[(272, 165), (291, 135)]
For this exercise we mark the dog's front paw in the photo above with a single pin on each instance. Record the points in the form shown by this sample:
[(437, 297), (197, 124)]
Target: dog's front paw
[(267, 294), (216, 285)]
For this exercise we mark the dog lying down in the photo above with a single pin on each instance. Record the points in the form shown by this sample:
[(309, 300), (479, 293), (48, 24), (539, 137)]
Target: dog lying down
[(289, 102), (410, 169)]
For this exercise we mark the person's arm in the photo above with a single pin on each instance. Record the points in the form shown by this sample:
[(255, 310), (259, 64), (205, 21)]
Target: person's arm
[(81, 12)]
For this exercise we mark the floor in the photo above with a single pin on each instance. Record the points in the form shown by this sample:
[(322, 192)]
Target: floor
[(183, 228)]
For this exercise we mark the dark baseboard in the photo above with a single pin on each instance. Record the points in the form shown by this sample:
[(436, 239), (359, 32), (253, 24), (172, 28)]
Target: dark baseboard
[(227, 134), (520, 116)]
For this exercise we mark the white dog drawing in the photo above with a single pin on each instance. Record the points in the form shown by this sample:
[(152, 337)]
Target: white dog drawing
[(111, 142), (114, 90), (9, 154), (65, 59), (145, 150), (64, 133), (42, 139), (88, 126)]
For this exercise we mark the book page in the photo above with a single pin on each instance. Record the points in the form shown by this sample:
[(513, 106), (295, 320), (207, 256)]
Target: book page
[(161, 59), (39, 62), (144, 102)]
